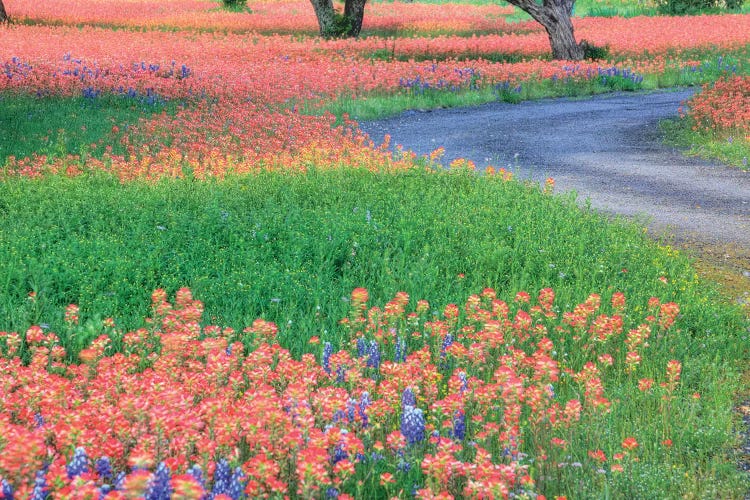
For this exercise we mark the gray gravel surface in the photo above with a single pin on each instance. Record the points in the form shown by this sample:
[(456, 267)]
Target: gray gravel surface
[(606, 148)]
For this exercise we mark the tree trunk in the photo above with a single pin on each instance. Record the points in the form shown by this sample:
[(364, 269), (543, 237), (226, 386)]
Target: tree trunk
[(333, 25), (554, 15), (354, 12), (3, 14), (326, 16), (561, 38)]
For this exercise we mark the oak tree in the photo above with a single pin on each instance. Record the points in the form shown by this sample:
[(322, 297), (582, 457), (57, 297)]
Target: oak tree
[(555, 16), (335, 25)]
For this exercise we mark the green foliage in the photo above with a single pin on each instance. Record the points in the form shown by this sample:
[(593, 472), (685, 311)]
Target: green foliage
[(683, 7), (56, 126), (235, 5), (595, 52), (341, 27), (730, 150)]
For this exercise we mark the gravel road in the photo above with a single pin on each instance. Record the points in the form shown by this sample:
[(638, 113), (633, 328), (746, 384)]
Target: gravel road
[(606, 148)]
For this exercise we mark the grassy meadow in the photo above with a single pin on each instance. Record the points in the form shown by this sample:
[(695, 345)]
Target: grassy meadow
[(213, 285)]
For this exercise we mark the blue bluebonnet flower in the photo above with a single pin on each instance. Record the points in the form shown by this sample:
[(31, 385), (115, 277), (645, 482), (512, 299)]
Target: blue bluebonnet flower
[(6, 490), (447, 342), (408, 398), (197, 473), (222, 476), (120, 481), (339, 454), (400, 355), (351, 405), (38, 420), (103, 467), (332, 493), (327, 351), (412, 424), (364, 402), (361, 347), (464, 381), (40, 490), (236, 484), (459, 425), (159, 487), (341, 374), (78, 464), (373, 355)]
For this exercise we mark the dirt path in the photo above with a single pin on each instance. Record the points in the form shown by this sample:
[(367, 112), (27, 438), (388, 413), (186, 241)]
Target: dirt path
[(606, 148)]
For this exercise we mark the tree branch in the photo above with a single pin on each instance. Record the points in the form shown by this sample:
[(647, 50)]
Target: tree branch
[(532, 8)]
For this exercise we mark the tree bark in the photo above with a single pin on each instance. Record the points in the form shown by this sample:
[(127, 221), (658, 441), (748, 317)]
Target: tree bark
[(354, 11), (554, 15), (562, 39), (333, 25), (3, 14), (325, 14)]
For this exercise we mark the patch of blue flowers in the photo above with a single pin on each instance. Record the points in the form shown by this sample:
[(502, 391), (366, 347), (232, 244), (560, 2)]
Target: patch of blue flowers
[(226, 481), (16, 68), (469, 80)]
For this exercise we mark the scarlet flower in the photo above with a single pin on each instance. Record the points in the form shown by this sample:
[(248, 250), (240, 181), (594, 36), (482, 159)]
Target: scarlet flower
[(645, 384), (387, 478), (629, 443), (598, 455), (360, 296)]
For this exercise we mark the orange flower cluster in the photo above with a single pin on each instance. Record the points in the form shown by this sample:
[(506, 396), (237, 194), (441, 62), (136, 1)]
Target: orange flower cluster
[(202, 409), (723, 107)]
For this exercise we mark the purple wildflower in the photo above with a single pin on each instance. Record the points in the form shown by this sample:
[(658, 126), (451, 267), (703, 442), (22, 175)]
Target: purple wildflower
[(408, 398), (222, 476), (6, 490), (364, 402), (412, 424), (327, 351), (236, 484), (40, 491), (459, 425), (400, 355), (159, 487), (373, 355), (197, 473), (103, 467), (78, 464)]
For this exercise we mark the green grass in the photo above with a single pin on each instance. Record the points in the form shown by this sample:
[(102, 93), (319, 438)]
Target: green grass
[(377, 106), (727, 149), (55, 126)]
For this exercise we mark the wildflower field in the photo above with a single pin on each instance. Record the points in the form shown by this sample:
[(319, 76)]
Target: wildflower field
[(214, 285)]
